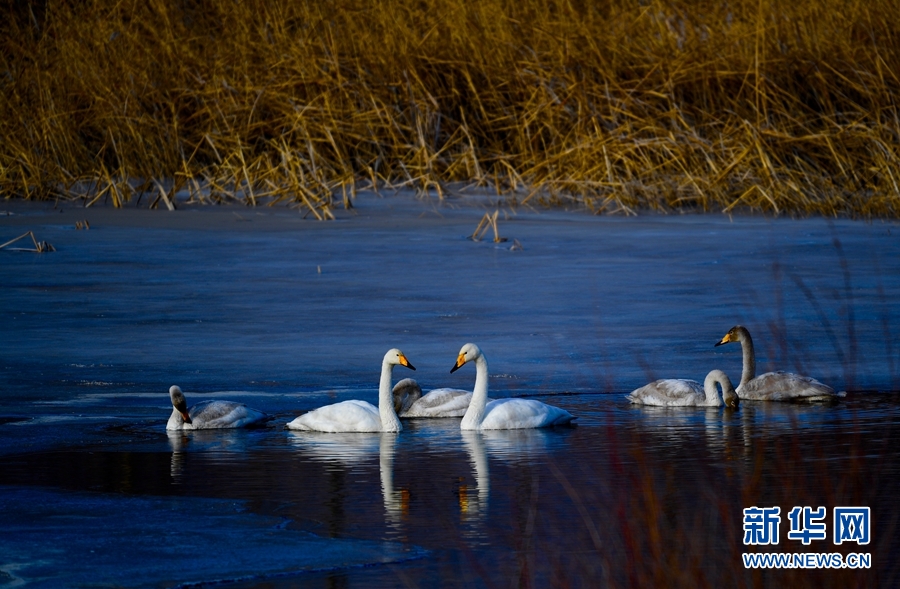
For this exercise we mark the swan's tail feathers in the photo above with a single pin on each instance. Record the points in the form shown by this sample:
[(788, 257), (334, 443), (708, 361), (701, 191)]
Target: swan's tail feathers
[(567, 419), (262, 421)]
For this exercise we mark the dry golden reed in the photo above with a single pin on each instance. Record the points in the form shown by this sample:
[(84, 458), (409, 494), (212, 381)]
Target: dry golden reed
[(785, 108)]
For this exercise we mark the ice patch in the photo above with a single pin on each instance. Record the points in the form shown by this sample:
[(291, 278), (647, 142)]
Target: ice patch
[(52, 539)]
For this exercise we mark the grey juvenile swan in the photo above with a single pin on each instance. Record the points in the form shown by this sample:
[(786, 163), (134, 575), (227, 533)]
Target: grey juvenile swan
[(675, 392), (772, 386), (444, 402), (210, 414)]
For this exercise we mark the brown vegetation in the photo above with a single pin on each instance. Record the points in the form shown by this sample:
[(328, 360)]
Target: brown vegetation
[(698, 105)]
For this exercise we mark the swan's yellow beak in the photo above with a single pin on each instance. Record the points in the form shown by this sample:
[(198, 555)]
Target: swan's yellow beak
[(405, 362), (459, 362), (726, 340)]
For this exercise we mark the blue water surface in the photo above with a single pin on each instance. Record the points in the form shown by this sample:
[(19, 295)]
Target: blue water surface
[(287, 314)]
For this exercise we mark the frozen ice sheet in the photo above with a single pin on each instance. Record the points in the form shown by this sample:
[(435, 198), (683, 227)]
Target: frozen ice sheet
[(53, 539)]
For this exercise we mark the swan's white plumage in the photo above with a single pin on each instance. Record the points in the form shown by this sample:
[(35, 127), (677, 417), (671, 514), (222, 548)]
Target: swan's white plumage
[(674, 392), (210, 414), (502, 413), (772, 386), (359, 416), (522, 414), (346, 416), (444, 402)]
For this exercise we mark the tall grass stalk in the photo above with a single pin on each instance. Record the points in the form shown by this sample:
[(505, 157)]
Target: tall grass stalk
[(619, 106)]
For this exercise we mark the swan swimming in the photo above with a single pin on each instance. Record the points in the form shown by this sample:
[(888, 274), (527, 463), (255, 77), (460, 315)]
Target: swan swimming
[(444, 402), (772, 386), (359, 416), (675, 392), (210, 414), (502, 413)]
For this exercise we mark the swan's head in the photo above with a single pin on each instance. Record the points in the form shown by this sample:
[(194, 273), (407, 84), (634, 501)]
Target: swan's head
[(735, 334), (395, 357), (406, 392), (467, 353), (179, 402), (729, 396)]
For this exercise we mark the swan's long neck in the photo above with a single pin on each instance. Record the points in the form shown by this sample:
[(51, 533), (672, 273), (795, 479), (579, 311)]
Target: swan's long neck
[(714, 380), (389, 420), (175, 420), (710, 387), (749, 370), (475, 413)]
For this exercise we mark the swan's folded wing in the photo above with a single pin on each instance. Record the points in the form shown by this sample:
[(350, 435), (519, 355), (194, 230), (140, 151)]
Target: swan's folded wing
[(224, 414), (669, 392), (346, 416), (785, 386), (523, 413), (441, 403)]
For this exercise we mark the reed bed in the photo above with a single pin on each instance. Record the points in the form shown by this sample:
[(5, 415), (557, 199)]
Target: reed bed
[(617, 106)]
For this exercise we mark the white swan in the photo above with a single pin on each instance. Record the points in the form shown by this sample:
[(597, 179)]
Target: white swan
[(444, 402), (210, 414), (502, 413), (674, 392), (772, 386), (359, 416)]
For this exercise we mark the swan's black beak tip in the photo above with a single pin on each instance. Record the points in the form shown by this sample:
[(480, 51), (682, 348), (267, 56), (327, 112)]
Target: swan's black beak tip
[(403, 361), (460, 362)]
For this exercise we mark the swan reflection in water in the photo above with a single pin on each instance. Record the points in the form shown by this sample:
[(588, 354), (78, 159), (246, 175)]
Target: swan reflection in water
[(349, 450), (473, 503), (518, 446), (352, 450), (396, 503), (177, 442), (224, 445), (722, 430)]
